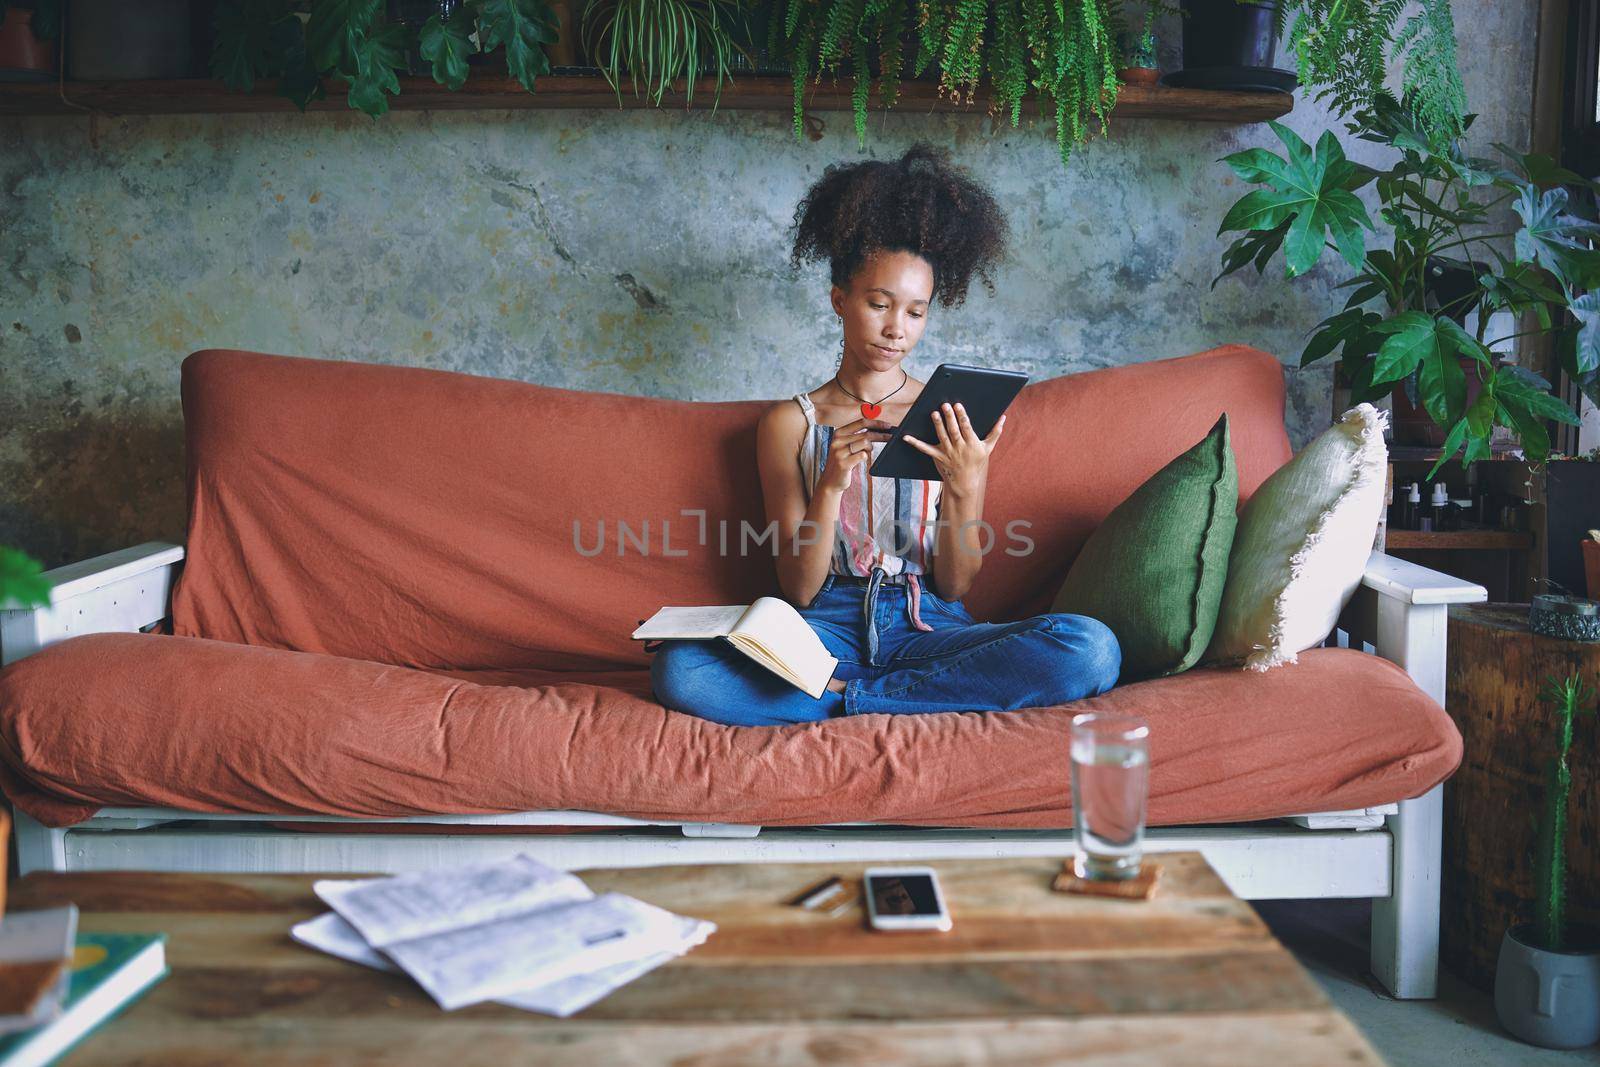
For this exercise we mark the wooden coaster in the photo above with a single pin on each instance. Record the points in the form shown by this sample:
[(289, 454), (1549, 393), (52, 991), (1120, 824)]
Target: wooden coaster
[(1142, 887)]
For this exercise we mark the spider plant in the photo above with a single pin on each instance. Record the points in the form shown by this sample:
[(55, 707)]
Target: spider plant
[(661, 41)]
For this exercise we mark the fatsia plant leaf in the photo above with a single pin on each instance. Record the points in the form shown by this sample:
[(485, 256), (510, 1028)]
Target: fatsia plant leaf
[(1348, 329), (524, 27), (1586, 352), (1430, 346), (242, 48), (298, 79), (377, 56), (1555, 240), (335, 30), (1310, 188), (446, 44)]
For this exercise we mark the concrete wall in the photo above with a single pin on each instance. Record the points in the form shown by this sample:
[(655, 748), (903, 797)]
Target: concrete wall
[(634, 251)]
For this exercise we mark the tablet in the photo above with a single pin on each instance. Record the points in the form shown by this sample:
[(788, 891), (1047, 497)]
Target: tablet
[(983, 392)]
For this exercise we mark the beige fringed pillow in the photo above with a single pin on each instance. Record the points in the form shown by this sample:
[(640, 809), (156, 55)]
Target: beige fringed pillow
[(1302, 545)]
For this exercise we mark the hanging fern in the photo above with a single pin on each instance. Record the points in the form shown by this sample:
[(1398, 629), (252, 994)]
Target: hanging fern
[(1346, 47), (1061, 48)]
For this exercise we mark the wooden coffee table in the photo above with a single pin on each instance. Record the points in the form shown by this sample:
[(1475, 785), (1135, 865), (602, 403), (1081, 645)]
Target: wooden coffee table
[(1027, 976)]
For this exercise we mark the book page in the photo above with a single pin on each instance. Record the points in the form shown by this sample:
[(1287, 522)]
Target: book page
[(782, 633), (691, 622), (387, 910), (495, 959), (331, 934)]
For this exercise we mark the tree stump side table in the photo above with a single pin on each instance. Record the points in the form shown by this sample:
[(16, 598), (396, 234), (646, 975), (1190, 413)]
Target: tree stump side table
[(1492, 805)]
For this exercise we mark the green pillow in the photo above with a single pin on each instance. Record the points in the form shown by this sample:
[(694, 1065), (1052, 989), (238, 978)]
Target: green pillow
[(1153, 571)]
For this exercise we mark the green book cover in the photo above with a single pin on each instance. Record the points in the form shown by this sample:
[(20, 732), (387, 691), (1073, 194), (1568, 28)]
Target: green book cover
[(109, 972)]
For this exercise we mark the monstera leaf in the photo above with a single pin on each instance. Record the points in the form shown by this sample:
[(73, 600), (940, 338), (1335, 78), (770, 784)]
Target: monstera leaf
[(1311, 190)]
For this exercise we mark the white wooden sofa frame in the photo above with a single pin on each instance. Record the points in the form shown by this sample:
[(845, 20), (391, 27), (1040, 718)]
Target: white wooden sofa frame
[(1390, 854)]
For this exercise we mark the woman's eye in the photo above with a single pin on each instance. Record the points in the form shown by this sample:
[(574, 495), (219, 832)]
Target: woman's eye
[(876, 307)]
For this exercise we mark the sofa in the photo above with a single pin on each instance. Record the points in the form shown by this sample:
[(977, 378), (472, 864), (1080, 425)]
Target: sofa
[(397, 633)]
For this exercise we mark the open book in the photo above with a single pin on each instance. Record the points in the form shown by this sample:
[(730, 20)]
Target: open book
[(517, 931), (769, 631)]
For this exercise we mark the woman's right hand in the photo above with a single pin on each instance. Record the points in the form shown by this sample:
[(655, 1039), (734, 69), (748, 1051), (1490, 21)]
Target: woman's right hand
[(851, 447)]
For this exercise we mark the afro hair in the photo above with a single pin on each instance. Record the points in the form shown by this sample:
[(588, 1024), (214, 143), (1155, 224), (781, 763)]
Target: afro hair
[(920, 203)]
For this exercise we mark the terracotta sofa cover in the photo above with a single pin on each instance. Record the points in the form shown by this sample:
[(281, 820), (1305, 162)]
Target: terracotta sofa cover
[(392, 605), (213, 726)]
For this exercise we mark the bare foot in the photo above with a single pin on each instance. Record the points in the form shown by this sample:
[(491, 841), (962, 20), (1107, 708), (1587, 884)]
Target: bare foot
[(835, 685)]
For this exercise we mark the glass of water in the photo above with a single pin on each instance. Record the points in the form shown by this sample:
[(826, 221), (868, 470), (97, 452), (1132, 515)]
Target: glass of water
[(1110, 782)]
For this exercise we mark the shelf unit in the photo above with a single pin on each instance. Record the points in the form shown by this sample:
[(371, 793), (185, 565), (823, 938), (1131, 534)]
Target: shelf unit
[(1458, 540), (744, 92), (1504, 560)]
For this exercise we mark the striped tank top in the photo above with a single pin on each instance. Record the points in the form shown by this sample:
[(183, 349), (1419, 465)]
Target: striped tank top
[(884, 523)]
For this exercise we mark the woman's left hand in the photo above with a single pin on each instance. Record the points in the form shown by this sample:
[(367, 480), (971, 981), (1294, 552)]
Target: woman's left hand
[(962, 457)]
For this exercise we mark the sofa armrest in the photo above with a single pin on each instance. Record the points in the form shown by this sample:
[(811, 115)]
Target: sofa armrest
[(1402, 610), (1413, 583), (119, 592)]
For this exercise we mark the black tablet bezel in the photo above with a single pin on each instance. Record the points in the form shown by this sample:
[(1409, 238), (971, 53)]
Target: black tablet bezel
[(985, 393)]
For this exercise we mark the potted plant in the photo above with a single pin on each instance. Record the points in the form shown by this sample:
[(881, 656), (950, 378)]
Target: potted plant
[(356, 42), (22, 580), (1435, 197), (29, 30), (661, 41), (1138, 50), (1547, 978)]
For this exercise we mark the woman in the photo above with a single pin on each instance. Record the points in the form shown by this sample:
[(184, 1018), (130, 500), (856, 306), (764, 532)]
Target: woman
[(861, 557)]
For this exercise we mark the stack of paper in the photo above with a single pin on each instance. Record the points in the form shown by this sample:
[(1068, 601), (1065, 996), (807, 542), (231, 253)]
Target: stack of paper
[(519, 932)]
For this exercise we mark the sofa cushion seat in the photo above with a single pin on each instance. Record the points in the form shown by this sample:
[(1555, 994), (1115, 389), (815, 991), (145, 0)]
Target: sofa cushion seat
[(147, 720)]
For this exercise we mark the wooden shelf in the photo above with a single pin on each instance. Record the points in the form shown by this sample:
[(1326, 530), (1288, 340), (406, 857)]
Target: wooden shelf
[(1512, 540), (746, 92), (1427, 454)]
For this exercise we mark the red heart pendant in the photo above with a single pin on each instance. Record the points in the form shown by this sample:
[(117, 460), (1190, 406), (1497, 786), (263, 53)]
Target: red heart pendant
[(871, 411)]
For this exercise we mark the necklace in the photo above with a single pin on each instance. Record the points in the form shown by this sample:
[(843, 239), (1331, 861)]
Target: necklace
[(869, 409)]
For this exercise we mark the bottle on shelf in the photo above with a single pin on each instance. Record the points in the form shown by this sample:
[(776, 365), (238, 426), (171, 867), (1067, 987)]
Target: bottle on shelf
[(1440, 512), (1410, 507)]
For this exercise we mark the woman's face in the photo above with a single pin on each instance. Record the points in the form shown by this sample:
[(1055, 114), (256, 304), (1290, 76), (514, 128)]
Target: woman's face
[(885, 309)]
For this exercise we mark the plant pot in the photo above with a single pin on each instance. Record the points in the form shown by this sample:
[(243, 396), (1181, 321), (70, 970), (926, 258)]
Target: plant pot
[(1571, 510), (1230, 45), (1411, 423), (1550, 999), (1139, 75), (110, 40), (23, 57), (1226, 33)]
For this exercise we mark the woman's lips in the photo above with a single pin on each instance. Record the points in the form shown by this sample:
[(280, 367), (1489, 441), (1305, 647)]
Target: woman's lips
[(887, 351)]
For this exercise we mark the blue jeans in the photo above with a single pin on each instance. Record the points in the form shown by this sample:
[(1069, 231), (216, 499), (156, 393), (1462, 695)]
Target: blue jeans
[(890, 666)]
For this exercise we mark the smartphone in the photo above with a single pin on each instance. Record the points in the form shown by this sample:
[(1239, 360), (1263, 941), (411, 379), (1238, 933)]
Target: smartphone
[(904, 898)]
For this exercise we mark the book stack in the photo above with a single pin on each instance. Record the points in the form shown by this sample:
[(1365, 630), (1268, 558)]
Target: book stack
[(56, 985), (519, 933)]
